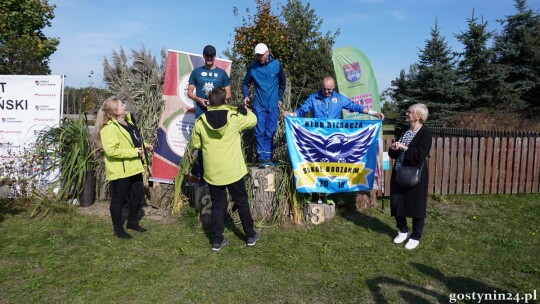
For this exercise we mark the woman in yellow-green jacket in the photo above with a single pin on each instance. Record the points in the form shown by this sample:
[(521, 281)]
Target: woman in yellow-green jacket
[(121, 141)]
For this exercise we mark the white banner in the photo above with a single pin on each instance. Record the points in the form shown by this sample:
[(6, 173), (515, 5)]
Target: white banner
[(28, 104)]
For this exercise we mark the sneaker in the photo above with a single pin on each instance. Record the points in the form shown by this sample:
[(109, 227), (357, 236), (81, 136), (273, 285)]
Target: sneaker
[(411, 244), (136, 227), (401, 237), (122, 234), (251, 241), (266, 164), (217, 246)]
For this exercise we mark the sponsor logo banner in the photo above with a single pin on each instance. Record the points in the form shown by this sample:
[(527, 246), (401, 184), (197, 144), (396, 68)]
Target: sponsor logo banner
[(332, 155), (356, 80), (28, 105)]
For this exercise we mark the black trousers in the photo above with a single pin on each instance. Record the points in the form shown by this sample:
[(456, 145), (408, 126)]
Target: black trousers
[(120, 188), (218, 195), (417, 226)]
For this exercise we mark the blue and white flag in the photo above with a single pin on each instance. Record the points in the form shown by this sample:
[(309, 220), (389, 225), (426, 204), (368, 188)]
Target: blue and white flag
[(332, 155)]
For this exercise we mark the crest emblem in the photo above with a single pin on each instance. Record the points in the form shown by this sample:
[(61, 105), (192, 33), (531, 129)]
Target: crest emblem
[(352, 71)]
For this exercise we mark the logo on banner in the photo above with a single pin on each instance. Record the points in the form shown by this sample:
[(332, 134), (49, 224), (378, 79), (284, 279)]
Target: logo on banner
[(45, 95), (352, 71), (44, 83), (45, 108), (11, 120)]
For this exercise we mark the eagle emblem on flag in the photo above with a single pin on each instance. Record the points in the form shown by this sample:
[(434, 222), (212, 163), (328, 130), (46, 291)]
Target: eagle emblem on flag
[(335, 148)]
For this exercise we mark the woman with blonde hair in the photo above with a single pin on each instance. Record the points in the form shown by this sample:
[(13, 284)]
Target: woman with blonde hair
[(116, 133), (411, 149)]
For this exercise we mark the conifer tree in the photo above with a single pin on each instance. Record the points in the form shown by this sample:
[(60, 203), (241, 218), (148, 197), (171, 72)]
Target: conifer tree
[(431, 81), (518, 48), (481, 79)]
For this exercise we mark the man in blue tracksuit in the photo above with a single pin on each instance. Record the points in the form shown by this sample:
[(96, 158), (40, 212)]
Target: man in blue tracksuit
[(327, 103), (269, 78)]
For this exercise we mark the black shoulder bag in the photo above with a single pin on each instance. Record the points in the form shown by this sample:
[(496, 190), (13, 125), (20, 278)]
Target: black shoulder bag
[(409, 176)]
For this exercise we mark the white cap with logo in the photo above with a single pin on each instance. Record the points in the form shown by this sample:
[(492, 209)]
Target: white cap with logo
[(261, 48)]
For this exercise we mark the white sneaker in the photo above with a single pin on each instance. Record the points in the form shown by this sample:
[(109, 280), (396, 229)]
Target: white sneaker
[(411, 244), (401, 237)]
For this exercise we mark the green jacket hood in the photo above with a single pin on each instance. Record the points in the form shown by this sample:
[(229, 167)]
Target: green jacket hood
[(216, 119)]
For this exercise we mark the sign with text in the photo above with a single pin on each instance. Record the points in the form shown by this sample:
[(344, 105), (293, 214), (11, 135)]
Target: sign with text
[(332, 155), (28, 105)]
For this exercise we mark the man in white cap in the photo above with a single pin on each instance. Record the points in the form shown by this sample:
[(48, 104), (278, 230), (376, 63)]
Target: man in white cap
[(269, 78)]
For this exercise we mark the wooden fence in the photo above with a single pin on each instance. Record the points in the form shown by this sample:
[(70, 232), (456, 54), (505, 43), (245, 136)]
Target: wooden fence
[(505, 163)]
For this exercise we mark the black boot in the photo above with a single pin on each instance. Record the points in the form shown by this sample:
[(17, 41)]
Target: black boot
[(135, 227), (121, 233)]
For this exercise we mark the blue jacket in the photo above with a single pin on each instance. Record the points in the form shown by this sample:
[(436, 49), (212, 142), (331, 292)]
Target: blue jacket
[(269, 79), (327, 107)]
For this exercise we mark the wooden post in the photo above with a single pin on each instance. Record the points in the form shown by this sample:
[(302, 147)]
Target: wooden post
[(318, 213), (366, 199), (263, 189), (201, 201)]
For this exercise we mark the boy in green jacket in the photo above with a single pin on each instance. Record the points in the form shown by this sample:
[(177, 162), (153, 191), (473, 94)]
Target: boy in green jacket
[(217, 134)]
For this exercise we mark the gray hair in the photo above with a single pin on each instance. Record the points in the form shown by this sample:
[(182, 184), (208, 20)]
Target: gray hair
[(420, 110)]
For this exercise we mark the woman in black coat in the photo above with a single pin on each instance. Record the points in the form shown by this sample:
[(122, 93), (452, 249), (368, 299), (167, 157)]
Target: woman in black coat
[(411, 149)]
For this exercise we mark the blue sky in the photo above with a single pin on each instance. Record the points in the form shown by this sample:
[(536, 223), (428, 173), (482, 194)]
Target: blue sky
[(389, 32)]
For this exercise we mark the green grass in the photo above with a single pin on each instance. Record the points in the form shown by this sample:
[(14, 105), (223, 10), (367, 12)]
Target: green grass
[(470, 244)]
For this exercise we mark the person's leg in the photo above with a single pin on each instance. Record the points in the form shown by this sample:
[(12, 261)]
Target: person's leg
[(270, 130), (401, 224), (262, 150), (218, 194), (135, 203), (119, 189), (239, 195), (417, 228)]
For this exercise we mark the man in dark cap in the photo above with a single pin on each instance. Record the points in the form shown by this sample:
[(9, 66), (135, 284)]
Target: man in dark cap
[(201, 82)]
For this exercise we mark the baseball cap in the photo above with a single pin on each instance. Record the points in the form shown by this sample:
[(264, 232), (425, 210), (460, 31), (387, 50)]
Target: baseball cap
[(209, 50), (261, 48)]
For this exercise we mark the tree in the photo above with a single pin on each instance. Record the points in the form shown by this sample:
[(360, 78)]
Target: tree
[(263, 27), (431, 81), (518, 48), (24, 48), (310, 52), (481, 79), (82, 99), (295, 39)]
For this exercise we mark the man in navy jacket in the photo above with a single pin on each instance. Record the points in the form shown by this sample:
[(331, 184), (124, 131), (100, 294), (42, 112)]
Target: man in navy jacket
[(269, 78)]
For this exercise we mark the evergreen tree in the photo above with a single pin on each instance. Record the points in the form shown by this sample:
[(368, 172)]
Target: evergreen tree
[(481, 80), (432, 81), (24, 48), (518, 48)]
